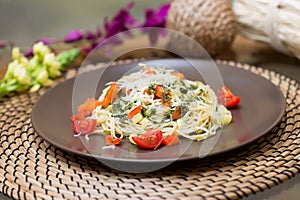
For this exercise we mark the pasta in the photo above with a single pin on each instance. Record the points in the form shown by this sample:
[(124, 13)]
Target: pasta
[(155, 97)]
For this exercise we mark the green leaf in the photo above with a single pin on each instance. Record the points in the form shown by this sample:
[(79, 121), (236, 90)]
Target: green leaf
[(66, 57)]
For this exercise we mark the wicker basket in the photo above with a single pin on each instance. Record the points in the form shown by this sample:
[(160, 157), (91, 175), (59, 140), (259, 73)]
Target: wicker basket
[(210, 23), (275, 22)]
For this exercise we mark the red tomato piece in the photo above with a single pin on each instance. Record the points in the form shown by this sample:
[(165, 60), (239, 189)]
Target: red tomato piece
[(166, 104), (88, 106), (233, 102), (73, 118), (147, 92), (79, 116), (135, 111), (112, 141), (178, 74), (227, 98), (149, 70), (170, 140), (149, 140), (159, 91), (85, 126), (177, 113), (110, 95), (125, 91)]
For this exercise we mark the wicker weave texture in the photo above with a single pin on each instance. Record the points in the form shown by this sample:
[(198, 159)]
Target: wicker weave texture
[(211, 23), (31, 168)]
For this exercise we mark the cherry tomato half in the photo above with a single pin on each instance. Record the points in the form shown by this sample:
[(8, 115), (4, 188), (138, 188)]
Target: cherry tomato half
[(149, 140), (170, 140), (85, 126), (112, 141), (227, 98)]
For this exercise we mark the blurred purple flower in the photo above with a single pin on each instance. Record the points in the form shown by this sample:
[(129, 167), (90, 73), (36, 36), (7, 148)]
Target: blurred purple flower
[(73, 36), (130, 5), (93, 36), (89, 35), (122, 21), (29, 53), (45, 41), (98, 32), (89, 48), (2, 44), (110, 41), (156, 19), (86, 49)]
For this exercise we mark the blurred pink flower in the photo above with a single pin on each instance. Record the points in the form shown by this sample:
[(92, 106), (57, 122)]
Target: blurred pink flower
[(122, 21), (156, 19), (73, 36), (2, 44), (28, 53)]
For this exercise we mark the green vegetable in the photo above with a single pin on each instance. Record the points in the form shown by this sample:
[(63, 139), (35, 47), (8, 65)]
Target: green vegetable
[(184, 110), (66, 57), (201, 99), (117, 109), (183, 90), (194, 87), (164, 98), (131, 140), (31, 74), (148, 112), (200, 92), (151, 88)]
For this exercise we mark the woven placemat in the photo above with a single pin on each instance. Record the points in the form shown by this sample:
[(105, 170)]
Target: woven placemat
[(31, 168)]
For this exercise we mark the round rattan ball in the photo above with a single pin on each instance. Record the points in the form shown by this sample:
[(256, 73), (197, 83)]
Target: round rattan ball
[(210, 23)]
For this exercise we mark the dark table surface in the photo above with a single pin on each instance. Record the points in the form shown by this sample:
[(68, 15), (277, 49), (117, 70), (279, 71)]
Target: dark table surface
[(25, 21)]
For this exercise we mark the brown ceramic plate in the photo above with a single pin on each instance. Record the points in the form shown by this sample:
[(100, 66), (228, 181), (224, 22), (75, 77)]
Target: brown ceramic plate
[(262, 107)]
